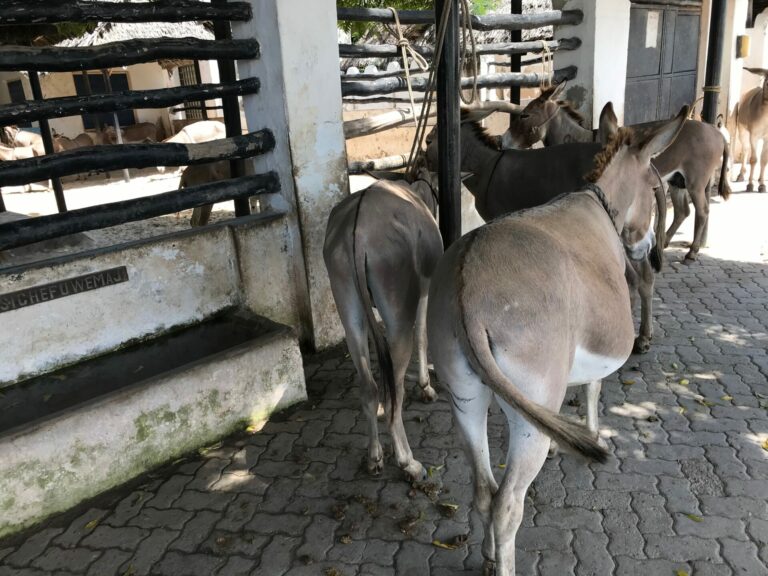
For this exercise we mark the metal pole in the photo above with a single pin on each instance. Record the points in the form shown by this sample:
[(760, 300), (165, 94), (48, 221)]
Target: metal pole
[(231, 105), (714, 60), (45, 132), (118, 131), (516, 59), (448, 125)]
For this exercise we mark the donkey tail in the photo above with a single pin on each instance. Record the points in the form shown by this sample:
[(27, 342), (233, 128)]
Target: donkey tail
[(476, 343), (723, 188), (379, 339)]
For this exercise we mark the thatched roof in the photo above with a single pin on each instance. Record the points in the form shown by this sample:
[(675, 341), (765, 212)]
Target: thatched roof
[(421, 35), (106, 32)]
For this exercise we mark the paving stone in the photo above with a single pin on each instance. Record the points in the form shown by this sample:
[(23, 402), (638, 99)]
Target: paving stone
[(742, 557), (591, 551), (277, 556), (238, 566), (319, 537), (124, 538), (169, 492), (242, 543), (626, 566), (175, 563), (682, 548), (412, 560), (33, 547), (195, 531), (71, 559), (109, 563), (172, 518), (80, 527), (150, 551)]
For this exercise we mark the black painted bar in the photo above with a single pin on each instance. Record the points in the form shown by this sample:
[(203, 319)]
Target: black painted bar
[(391, 50), (448, 120), (130, 99), (516, 7), (483, 23), (223, 32), (119, 156), (26, 12), (419, 84), (45, 132), (114, 54), (29, 230), (714, 60)]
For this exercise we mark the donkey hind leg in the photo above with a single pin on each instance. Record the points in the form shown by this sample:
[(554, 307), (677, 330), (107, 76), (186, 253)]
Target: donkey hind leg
[(592, 393), (701, 209), (399, 314), (471, 400), (763, 162), (646, 279), (356, 329), (428, 393), (525, 457), (752, 163), (681, 211)]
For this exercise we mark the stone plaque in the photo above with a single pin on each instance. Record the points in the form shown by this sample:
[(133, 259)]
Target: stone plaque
[(62, 288)]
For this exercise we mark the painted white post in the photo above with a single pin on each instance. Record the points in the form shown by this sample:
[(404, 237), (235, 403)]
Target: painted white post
[(601, 59), (300, 101)]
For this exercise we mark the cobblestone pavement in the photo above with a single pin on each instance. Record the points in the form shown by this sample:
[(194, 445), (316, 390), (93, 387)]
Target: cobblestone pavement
[(685, 492)]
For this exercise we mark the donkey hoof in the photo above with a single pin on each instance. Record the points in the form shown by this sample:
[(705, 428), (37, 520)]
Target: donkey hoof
[(489, 568), (761, 188), (642, 345), (553, 449), (740, 178), (415, 471), (428, 394), (375, 467), (750, 187), (691, 256)]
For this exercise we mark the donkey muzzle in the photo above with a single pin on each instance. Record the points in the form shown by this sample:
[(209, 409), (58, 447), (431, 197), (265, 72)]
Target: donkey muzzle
[(641, 249)]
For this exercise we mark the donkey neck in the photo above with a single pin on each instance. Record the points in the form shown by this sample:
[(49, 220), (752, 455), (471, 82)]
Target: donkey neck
[(563, 129), (480, 159)]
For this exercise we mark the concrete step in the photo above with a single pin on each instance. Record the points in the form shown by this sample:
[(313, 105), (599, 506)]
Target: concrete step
[(74, 433)]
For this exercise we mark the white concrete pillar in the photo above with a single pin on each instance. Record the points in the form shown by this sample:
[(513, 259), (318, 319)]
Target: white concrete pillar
[(300, 101), (601, 59)]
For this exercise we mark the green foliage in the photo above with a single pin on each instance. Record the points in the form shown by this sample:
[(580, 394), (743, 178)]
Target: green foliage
[(361, 29), (42, 34)]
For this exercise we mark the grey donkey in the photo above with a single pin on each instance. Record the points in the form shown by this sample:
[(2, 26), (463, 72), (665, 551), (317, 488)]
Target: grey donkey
[(526, 305), (381, 246)]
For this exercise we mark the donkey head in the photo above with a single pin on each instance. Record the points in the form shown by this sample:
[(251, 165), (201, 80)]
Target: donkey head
[(623, 171), (8, 135), (530, 125), (760, 72)]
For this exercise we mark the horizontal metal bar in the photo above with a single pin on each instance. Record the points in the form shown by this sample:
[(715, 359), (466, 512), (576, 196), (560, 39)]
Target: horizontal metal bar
[(483, 23), (390, 85), (33, 110), (27, 231), (25, 12), (119, 156), (114, 54), (386, 163), (393, 51)]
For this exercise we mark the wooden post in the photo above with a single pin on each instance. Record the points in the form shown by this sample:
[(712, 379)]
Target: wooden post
[(199, 80), (45, 132), (223, 31), (448, 124), (108, 87), (515, 59)]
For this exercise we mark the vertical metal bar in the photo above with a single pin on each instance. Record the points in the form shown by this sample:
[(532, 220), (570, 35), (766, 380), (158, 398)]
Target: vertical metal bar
[(199, 80), (448, 124), (714, 60), (45, 132), (750, 14), (118, 131), (516, 59), (222, 31), (2, 203)]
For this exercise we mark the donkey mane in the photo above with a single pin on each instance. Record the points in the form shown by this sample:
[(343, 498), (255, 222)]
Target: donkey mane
[(603, 158), (568, 109), (488, 139)]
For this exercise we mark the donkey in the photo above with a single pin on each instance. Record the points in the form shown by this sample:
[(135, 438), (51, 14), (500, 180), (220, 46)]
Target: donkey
[(381, 247), (534, 301), (752, 126), (202, 174), (509, 180), (202, 131), (555, 122)]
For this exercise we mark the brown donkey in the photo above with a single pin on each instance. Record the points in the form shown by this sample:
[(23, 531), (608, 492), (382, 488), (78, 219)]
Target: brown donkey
[(689, 163), (532, 302), (752, 127)]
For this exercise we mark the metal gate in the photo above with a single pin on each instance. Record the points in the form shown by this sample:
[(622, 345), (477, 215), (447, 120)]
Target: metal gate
[(662, 61)]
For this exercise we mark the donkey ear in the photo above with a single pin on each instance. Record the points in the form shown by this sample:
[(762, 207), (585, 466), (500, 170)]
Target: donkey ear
[(475, 114), (609, 124), (658, 140), (759, 71), (559, 89)]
